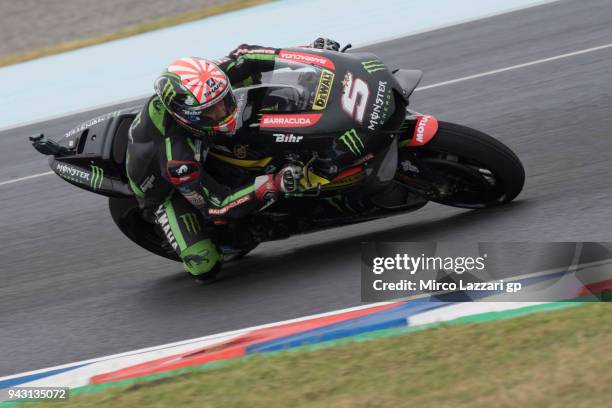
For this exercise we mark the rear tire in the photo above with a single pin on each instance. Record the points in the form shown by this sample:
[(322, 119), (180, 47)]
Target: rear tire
[(482, 171), (126, 214)]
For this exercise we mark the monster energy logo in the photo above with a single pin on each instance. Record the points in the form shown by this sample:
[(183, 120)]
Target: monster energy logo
[(168, 92), (373, 66), (191, 222), (97, 176), (352, 141)]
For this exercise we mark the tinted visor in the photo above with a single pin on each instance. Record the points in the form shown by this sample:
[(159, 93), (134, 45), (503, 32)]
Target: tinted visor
[(213, 115)]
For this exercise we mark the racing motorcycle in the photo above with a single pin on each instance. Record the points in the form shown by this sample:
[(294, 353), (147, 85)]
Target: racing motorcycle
[(319, 99)]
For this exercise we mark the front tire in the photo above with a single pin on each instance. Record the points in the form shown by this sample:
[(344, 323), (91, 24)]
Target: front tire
[(471, 169)]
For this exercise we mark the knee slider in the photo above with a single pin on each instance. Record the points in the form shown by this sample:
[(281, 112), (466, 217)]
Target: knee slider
[(201, 257)]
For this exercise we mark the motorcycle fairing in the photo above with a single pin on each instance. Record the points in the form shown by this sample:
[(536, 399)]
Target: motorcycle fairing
[(418, 132)]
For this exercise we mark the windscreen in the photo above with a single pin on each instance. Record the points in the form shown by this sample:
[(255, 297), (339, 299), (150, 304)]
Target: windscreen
[(299, 80)]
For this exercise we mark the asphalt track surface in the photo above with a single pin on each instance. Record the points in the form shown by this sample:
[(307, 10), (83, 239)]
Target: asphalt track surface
[(72, 287)]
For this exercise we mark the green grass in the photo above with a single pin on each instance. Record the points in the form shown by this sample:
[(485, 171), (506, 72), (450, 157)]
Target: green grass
[(557, 358), (165, 22)]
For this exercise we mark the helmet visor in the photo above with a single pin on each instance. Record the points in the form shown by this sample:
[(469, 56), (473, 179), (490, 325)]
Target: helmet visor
[(212, 115)]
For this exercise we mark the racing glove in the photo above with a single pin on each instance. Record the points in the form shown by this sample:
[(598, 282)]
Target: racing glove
[(325, 44), (270, 186)]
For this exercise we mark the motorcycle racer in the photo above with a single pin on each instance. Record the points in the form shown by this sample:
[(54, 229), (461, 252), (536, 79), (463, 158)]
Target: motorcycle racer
[(168, 144)]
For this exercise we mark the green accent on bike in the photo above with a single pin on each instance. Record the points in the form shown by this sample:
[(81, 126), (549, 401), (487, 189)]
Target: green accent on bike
[(134, 124), (373, 66), (139, 193), (168, 148), (352, 140), (191, 222), (405, 124), (258, 57), (97, 176), (247, 82), (272, 108), (331, 201), (190, 143), (205, 191), (156, 113), (172, 220), (200, 257)]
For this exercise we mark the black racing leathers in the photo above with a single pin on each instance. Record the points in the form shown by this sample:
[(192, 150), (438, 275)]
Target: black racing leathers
[(164, 156)]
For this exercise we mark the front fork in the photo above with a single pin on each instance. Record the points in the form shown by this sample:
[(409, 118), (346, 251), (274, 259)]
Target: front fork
[(417, 131)]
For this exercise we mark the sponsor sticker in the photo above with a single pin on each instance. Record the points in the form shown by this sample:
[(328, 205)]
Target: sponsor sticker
[(181, 172), (373, 66), (223, 210), (289, 121), (425, 129), (92, 122), (97, 176), (287, 138), (323, 90), (380, 108), (196, 199), (68, 171), (353, 142), (307, 59), (164, 223), (240, 151), (191, 223)]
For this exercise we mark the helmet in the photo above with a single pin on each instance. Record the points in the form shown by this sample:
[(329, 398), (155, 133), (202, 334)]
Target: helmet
[(198, 95)]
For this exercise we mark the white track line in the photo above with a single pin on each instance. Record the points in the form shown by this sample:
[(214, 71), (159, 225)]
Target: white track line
[(513, 67), (424, 88), (46, 173)]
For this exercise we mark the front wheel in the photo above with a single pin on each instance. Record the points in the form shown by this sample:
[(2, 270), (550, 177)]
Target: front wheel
[(467, 168)]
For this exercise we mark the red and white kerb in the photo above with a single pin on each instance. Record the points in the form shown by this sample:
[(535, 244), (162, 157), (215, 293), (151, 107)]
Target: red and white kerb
[(203, 79)]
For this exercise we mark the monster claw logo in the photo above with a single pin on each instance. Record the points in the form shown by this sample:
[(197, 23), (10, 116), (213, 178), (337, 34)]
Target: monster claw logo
[(192, 224), (97, 176), (352, 140), (168, 92), (373, 66)]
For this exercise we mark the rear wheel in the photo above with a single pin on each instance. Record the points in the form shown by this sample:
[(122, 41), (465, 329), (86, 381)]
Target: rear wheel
[(126, 214), (468, 168)]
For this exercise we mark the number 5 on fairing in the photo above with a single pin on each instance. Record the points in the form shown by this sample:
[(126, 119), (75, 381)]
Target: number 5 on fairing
[(355, 97)]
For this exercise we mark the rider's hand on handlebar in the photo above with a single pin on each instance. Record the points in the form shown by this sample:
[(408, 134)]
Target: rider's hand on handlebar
[(326, 44), (288, 178)]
